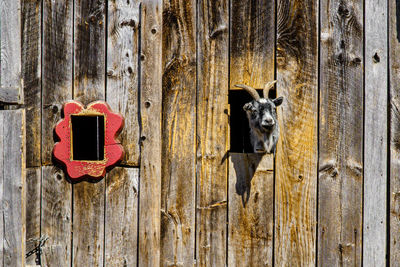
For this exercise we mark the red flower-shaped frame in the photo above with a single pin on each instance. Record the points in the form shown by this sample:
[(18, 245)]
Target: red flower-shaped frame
[(113, 151)]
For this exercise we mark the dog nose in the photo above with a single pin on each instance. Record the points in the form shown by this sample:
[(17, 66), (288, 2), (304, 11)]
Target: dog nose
[(267, 123)]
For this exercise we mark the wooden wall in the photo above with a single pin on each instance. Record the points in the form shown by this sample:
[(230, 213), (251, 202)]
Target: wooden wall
[(330, 196)]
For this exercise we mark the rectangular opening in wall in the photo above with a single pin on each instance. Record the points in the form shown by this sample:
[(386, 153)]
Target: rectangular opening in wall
[(87, 137), (239, 125)]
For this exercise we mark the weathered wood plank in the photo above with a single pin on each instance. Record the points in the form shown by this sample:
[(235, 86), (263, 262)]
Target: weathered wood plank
[(89, 80), (56, 221), (179, 134), (375, 134), (340, 139), (31, 73), (296, 161), (121, 217), (13, 185), (122, 72), (2, 132), (252, 42), (10, 51), (9, 95), (57, 68), (89, 50), (250, 205), (212, 131), (32, 192), (394, 194), (150, 117)]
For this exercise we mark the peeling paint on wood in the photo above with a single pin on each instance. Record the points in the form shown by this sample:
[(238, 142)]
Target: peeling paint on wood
[(89, 86)]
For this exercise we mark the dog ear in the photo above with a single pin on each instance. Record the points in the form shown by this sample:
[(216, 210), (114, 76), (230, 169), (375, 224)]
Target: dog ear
[(247, 106), (278, 101)]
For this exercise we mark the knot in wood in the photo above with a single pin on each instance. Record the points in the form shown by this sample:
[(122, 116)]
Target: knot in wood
[(343, 11)]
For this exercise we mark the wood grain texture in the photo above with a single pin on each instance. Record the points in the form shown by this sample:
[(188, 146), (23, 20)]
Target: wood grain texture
[(2, 132), (123, 72), (179, 134), (252, 41), (13, 186), (56, 69), (212, 131), (9, 95), (56, 220), (121, 217), (375, 135), (89, 86), (88, 213), (31, 73), (296, 160), (32, 196), (150, 118), (251, 212), (394, 194), (10, 50), (340, 134), (89, 50)]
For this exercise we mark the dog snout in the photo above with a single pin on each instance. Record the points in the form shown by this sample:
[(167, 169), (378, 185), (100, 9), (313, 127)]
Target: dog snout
[(267, 123)]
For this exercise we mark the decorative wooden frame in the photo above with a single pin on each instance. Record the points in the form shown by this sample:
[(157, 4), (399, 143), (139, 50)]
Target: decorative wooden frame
[(113, 150)]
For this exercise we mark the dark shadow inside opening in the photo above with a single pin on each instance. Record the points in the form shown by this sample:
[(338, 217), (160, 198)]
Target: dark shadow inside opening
[(87, 137), (239, 125)]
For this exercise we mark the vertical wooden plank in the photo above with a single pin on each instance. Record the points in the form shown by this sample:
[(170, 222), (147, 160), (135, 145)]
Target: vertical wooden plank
[(375, 134), (10, 51), (56, 218), (122, 72), (252, 42), (394, 194), (212, 131), (2, 132), (296, 160), (89, 79), (121, 217), (250, 204), (13, 187), (57, 68), (33, 185), (179, 137), (56, 221), (89, 50), (341, 137), (150, 117), (31, 57), (31, 73)]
